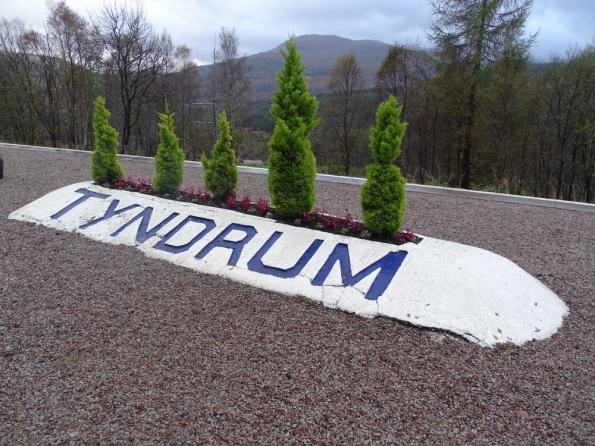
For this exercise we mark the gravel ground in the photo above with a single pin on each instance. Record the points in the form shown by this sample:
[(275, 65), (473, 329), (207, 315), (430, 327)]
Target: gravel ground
[(102, 345)]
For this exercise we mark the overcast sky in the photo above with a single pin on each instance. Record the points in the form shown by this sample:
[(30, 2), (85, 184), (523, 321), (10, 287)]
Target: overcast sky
[(263, 24)]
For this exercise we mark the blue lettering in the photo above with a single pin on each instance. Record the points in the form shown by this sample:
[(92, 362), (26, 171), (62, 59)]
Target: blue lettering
[(111, 212), (236, 247), (389, 265), (164, 246), (86, 195), (142, 234), (255, 264)]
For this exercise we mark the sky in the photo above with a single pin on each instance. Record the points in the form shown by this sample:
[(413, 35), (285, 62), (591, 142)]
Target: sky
[(261, 25)]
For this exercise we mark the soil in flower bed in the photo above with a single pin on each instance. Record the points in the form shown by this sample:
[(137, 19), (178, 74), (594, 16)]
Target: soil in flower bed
[(317, 219)]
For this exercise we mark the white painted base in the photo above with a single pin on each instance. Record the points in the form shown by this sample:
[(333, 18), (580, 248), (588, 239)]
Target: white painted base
[(468, 291)]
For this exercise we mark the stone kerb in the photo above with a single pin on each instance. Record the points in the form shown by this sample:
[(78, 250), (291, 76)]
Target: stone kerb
[(468, 291), (409, 187)]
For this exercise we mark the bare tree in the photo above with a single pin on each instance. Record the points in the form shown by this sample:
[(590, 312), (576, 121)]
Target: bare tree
[(229, 83), (422, 114), (19, 119), (403, 73), (45, 94), (565, 127), (133, 55), (504, 119), (182, 87), (394, 73), (394, 77), (70, 37), (346, 111)]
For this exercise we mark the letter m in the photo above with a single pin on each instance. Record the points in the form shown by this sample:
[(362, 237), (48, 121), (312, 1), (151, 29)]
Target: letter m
[(388, 265)]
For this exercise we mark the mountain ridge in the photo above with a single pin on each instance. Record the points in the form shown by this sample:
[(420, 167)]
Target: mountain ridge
[(319, 54)]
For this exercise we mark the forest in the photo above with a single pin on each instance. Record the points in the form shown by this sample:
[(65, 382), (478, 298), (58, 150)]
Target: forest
[(480, 113)]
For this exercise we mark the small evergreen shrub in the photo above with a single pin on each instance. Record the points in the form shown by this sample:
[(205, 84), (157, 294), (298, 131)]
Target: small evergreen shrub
[(383, 194), (292, 166), (105, 167), (221, 172), (315, 219), (169, 159)]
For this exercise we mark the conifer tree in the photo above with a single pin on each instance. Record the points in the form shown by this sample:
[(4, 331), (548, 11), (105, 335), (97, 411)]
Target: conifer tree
[(469, 35), (105, 167), (292, 166), (221, 172), (169, 159), (383, 194)]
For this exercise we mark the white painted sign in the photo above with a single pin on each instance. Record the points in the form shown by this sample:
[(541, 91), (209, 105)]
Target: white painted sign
[(466, 290)]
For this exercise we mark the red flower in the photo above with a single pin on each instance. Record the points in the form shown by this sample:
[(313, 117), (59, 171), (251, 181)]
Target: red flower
[(263, 206), (246, 203), (231, 201), (330, 221), (405, 236)]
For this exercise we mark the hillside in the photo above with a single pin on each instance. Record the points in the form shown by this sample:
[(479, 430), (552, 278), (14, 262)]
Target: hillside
[(319, 54)]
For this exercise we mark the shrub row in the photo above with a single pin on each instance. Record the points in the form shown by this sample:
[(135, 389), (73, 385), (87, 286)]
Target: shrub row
[(292, 166)]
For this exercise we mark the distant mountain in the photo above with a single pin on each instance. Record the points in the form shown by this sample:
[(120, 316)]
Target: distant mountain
[(319, 54)]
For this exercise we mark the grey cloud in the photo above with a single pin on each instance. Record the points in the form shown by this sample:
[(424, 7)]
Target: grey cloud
[(263, 24)]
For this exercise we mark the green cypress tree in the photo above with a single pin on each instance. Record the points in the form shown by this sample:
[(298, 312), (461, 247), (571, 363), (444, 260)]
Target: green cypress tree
[(169, 159), (383, 195), (105, 167), (292, 166), (221, 173)]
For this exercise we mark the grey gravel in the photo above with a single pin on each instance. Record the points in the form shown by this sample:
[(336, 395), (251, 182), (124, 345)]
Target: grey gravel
[(102, 345)]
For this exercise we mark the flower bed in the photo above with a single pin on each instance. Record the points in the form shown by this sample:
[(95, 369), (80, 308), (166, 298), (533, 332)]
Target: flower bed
[(317, 219)]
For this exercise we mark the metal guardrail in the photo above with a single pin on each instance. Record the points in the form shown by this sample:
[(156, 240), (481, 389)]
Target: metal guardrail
[(419, 188)]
